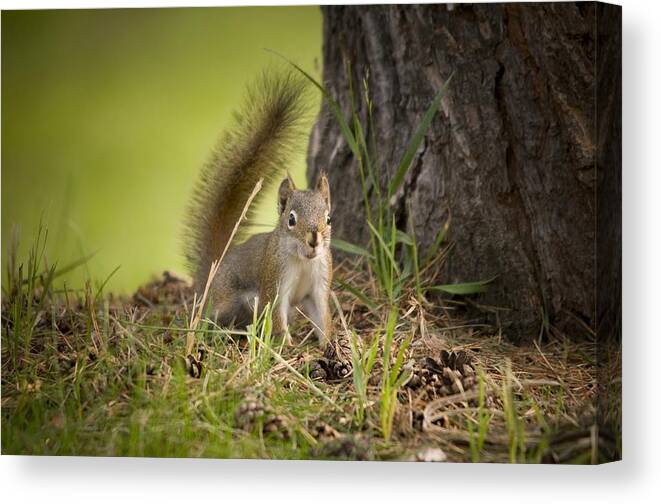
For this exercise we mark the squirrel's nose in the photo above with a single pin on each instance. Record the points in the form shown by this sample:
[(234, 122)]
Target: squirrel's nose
[(313, 238)]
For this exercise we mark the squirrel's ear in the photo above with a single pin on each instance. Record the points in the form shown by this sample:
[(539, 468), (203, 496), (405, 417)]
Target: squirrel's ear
[(286, 188), (324, 188)]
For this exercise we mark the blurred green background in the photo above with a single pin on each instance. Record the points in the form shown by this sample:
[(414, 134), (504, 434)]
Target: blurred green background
[(107, 116)]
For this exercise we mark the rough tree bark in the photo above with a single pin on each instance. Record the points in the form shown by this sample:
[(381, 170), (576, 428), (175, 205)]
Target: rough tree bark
[(511, 155)]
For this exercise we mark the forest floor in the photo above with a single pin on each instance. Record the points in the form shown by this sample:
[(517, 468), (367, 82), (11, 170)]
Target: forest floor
[(93, 374)]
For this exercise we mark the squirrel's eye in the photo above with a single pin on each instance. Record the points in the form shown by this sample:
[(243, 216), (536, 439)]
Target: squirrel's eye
[(292, 220), (328, 219)]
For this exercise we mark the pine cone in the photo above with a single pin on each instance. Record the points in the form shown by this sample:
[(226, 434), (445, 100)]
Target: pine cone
[(336, 362), (252, 411), (451, 374), (338, 357), (324, 432), (318, 370), (417, 420), (249, 411), (166, 289), (193, 363), (454, 360), (277, 426)]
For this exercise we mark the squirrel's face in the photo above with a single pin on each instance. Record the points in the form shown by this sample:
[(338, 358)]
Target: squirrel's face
[(305, 218)]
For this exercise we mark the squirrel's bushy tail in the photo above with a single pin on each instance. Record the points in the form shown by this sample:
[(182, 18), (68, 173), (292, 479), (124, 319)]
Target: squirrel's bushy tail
[(267, 128)]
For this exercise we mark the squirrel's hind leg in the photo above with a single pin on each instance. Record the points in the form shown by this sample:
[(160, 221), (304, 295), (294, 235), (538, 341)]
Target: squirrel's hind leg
[(234, 309)]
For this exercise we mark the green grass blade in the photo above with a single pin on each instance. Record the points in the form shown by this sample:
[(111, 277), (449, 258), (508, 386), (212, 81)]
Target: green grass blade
[(440, 236), (407, 264), (404, 238), (335, 107), (396, 378), (414, 253), (463, 288), (350, 248), (357, 364), (99, 291), (390, 332), (73, 265), (395, 280), (405, 163), (371, 356), (385, 248), (359, 377), (362, 297)]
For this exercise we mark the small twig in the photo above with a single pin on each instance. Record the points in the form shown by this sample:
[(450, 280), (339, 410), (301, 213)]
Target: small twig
[(311, 321), (341, 313), (190, 338)]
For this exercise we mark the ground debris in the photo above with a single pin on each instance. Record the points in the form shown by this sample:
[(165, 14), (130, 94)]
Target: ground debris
[(323, 431), (431, 454), (168, 289), (335, 363), (458, 378), (193, 363), (346, 447), (253, 412), (452, 373), (318, 370)]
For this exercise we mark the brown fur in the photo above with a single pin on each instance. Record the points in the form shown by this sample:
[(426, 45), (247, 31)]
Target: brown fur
[(291, 264), (268, 127)]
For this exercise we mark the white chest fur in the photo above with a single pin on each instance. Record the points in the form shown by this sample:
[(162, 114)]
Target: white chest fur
[(303, 278)]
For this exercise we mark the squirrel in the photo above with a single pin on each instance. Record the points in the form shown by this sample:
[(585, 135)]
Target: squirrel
[(290, 266)]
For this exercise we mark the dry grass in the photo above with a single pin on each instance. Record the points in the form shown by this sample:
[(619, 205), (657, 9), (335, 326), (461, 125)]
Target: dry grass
[(107, 376)]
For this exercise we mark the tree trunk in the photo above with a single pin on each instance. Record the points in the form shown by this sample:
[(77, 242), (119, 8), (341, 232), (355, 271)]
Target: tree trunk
[(511, 155)]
